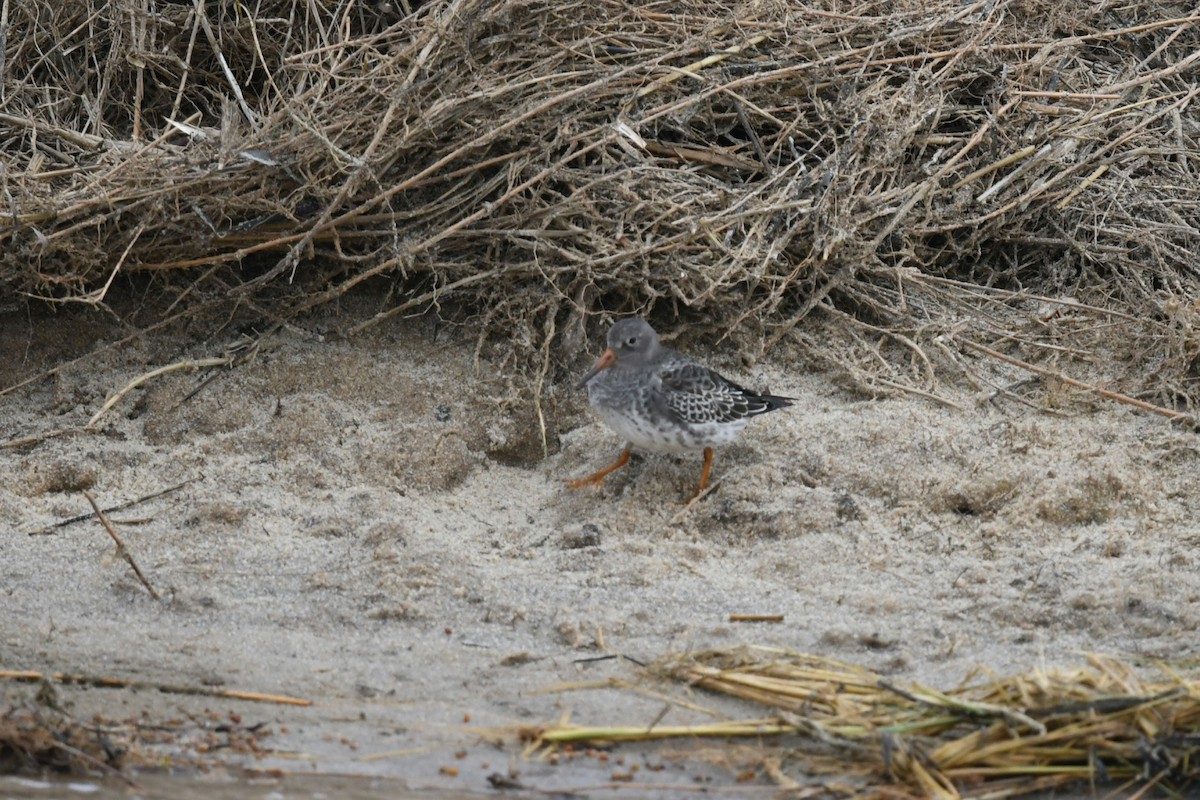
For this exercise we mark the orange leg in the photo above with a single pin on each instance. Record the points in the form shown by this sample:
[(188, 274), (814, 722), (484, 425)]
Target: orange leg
[(598, 478), (708, 459)]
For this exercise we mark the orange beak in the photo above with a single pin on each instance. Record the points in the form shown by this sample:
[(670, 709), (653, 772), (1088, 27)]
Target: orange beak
[(606, 360)]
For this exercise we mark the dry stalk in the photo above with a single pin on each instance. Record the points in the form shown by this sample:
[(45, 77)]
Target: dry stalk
[(151, 375), (107, 682), (50, 529), (122, 550), (1058, 376)]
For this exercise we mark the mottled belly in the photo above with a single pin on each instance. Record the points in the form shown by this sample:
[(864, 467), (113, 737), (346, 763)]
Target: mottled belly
[(668, 436)]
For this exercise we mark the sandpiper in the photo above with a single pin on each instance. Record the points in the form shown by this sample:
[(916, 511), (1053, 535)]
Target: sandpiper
[(660, 400)]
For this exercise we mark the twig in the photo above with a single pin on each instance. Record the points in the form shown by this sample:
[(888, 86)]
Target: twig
[(1011, 177), (1105, 393), (631, 733), (699, 155), (1012, 158), (1088, 181), (691, 503), (95, 762), (972, 710), (49, 529), (121, 549), (202, 13), (77, 138), (1069, 95), (695, 67), (918, 392), (3, 47), (756, 617), (35, 438), (755, 141), (666, 709), (138, 381), (594, 659), (119, 683)]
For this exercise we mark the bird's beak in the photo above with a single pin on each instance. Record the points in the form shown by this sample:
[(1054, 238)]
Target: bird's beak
[(606, 360)]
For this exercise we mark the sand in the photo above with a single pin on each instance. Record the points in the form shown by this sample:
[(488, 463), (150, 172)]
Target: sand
[(373, 524)]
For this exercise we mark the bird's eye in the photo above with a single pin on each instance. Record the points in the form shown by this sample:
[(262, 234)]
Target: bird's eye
[(631, 341)]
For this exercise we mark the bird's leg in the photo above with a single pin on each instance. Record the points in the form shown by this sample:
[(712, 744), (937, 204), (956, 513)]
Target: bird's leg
[(708, 459), (598, 478)]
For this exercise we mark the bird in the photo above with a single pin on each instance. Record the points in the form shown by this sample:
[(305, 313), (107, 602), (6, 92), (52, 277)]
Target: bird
[(660, 400)]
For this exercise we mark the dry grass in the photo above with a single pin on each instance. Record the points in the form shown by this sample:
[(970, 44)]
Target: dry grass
[(907, 176), (994, 738)]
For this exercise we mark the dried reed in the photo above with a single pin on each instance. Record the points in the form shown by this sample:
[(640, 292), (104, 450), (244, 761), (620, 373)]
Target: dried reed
[(997, 738)]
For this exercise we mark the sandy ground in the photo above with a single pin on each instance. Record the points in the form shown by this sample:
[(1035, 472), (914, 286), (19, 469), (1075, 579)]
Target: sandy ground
[(372, 524)]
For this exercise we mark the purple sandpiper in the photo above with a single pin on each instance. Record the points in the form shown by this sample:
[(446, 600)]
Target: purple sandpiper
[(659, 400)]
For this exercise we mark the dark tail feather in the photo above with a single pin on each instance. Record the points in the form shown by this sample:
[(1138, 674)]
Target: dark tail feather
[(769, 402), (762, 403)]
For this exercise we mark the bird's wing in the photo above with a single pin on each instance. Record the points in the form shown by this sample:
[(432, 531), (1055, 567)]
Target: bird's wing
[(697, 395)]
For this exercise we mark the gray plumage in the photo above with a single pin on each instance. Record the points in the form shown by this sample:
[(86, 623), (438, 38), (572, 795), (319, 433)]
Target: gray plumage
[(659, 400)]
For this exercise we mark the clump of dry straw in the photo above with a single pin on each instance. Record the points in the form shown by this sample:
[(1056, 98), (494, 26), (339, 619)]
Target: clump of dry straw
[(1099, 724), (909, 175)]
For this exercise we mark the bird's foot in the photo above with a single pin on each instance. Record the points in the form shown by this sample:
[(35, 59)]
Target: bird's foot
[(598, 478), (579, 483)]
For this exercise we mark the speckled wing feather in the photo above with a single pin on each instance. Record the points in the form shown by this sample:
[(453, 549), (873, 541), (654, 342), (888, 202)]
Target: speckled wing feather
[(696, 395)]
